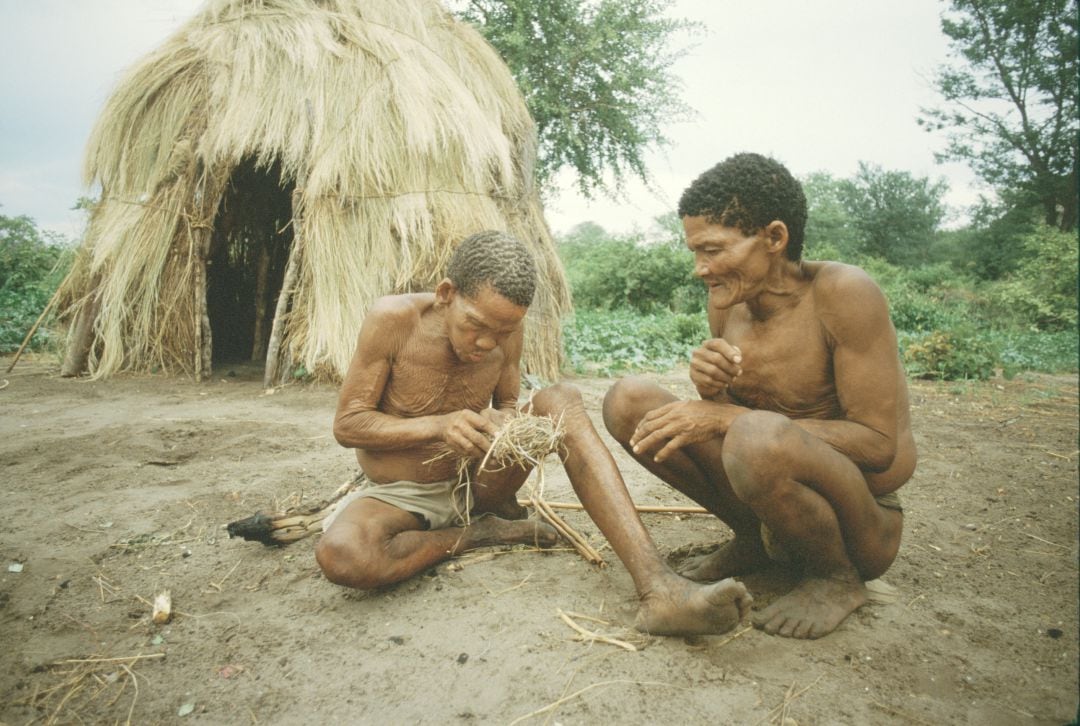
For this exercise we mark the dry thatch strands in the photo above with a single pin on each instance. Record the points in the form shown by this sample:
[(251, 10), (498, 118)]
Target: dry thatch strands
[(384, 131)]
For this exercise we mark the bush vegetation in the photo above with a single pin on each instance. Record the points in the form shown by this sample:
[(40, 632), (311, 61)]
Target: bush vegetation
[(32, 263)]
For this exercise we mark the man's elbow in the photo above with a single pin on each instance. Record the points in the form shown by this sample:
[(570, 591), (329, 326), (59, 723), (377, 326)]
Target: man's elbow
[(881, 456), (345, 432)]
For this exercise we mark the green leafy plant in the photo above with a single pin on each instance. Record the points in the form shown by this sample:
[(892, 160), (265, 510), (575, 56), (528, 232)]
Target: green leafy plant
[(950, 355), (32, 263)]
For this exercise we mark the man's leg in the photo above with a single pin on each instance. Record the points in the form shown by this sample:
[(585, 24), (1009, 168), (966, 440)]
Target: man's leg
[(698, 472), (670, 604), (816, 502), (372, 543)]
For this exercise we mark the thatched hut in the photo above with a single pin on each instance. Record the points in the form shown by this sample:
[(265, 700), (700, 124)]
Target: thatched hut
[(276, 165)]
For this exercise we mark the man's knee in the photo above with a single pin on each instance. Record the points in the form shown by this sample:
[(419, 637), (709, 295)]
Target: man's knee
[(757, 447), (624, 405), (556, 399), (342, 562)]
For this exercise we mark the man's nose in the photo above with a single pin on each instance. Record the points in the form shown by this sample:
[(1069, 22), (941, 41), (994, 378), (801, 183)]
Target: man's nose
[(485, 342)]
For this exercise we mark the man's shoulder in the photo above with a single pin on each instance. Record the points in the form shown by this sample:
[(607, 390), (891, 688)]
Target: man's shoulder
[(839, 280), (403, 309)]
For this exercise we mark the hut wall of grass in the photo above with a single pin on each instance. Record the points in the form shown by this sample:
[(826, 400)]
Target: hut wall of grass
[(276, 165)]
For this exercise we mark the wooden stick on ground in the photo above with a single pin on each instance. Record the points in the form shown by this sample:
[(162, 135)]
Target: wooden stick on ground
[(648, 508), (569, 533)]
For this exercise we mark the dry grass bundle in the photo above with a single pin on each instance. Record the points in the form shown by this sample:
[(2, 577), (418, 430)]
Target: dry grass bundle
[(523, 441), (400, 130)]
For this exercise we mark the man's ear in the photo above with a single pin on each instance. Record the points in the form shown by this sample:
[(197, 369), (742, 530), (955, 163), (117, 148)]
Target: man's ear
[(776, 236), (445, 291)]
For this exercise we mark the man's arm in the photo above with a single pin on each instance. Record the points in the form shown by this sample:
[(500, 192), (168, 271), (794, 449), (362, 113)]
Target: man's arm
[(358, 422), (866, 367), (508, 387)]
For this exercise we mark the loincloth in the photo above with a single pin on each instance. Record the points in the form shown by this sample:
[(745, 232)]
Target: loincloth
[(778, 551), (437, 504)]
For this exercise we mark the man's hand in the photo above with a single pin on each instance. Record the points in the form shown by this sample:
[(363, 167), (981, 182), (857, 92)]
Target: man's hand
[(496, 417), (675, 425), (714, 366), (469, 433)]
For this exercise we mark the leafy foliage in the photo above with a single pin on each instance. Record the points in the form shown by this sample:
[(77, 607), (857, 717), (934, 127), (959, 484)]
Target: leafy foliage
[(890, 215), (895, 214), (629, 272), (31, 265), (603, 342), (950, 355), (1042, 292), (596, 76), (1011, 111)]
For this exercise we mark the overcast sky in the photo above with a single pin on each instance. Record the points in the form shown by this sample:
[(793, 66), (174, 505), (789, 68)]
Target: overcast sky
[(818, 84)]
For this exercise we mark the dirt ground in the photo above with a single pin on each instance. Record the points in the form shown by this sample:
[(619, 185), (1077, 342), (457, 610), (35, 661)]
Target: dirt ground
[(118, 490)]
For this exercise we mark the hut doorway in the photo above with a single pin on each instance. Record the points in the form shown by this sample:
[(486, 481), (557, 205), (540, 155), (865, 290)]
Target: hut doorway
[(249, 249)]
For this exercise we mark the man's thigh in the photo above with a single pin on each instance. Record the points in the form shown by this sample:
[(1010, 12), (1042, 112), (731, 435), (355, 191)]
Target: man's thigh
[(367, 522)]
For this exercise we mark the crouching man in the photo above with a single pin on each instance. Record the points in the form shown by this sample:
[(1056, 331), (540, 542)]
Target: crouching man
[(802, 434)]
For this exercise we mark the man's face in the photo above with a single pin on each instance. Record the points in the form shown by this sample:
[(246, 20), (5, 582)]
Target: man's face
[(732, 265), (478, 325)]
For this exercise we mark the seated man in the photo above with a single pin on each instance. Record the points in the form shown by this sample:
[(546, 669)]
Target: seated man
[(802, 432), (442, 368)]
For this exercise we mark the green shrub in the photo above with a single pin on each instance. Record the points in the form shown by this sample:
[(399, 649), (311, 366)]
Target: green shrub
[(31, 266), (628, 273), (949, 355), (1041, 294)]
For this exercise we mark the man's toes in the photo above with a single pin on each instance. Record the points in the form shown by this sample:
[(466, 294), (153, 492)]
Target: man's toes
[(803, 630), (744, 604), (546, 535)]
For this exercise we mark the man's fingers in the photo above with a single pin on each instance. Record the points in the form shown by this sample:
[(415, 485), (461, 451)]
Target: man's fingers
[(649, 442), (668, 449)]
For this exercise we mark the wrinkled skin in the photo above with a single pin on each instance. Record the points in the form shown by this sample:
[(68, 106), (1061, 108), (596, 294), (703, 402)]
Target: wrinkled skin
[(442, 370), (803, 419)]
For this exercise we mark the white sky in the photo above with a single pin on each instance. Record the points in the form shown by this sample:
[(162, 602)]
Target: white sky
[(818, 84)]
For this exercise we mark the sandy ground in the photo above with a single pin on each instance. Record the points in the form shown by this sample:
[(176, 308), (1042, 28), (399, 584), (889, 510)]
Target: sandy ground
[(118, 490)]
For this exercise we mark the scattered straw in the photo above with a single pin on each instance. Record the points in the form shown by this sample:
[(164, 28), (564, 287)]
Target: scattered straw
[(586, 689), (590, 636), (86, 681), (779, 712)]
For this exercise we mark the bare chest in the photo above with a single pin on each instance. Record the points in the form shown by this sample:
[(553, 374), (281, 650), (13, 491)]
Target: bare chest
[(787, 363), (424, 385)]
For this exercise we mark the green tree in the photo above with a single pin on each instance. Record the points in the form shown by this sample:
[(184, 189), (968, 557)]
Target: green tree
[(1011, 111), (30, 266), (1042, 292), (895, 215), (831, 232), (596, 76)]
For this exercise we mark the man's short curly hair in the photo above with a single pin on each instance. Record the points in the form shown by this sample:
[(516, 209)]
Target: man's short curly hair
[(749, 191), (497, 259)]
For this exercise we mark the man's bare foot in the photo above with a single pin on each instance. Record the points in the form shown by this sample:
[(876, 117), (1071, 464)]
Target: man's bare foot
[(814, 608), (740, 556), (489, 531), (681, 607), (508, 509)]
